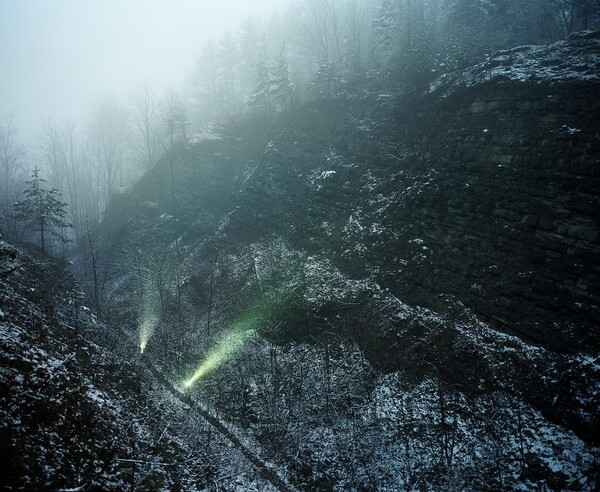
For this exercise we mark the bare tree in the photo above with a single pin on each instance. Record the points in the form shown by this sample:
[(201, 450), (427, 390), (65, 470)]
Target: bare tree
[(107, 142), (175, 124), (319, 29), (144, 118), (60, 153), (51, 153), (74, 180), (12, 154)]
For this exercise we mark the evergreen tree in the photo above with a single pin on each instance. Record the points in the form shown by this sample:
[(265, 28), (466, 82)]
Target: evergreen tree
[(227, 89), (248, 40), (324, 83), (282, 88), (387, 28), (43, 210), (206, 83), (260, 97)]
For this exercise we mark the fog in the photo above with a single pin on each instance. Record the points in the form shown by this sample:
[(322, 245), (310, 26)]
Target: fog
[(94, 93), (57, 56)]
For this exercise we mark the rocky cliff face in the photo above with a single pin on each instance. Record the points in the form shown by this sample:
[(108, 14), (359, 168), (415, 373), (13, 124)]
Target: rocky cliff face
[(514, 210), (486, 190), (453, 234)]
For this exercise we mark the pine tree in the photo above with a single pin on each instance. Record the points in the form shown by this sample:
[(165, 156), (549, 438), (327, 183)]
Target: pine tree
[(260, 97), (282, 88), (43, 210), (324, 83), (227, 88), (387, 28)]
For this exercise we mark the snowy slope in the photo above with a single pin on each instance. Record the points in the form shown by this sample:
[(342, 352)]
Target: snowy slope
[(74, 416)]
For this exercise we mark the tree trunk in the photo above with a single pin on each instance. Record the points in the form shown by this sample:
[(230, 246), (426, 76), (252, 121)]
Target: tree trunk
[(94, 269)]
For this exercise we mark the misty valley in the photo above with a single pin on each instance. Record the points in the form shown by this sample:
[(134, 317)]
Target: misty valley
[(356, 249)]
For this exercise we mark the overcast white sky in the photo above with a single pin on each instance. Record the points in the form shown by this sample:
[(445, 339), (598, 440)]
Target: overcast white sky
[(57, 56)]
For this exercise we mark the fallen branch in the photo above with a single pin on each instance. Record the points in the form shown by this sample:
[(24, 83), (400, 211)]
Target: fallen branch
[(145, 462)]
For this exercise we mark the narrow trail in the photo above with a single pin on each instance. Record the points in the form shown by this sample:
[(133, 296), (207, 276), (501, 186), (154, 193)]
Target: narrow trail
[(265, 470)]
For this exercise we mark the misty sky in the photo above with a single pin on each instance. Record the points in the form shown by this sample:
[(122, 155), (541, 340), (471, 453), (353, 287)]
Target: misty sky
[(57, 56)]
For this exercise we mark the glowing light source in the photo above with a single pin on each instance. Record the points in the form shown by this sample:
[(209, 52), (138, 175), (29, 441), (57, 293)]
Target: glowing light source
[(146, 331)]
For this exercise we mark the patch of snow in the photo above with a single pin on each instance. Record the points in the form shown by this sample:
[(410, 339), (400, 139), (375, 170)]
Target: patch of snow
[(327, 227), (571, 131), (209, 132), (561, 62), (376, 229), (96, 396)]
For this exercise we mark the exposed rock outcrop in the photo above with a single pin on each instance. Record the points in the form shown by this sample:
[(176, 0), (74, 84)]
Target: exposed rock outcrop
[(486, 189)]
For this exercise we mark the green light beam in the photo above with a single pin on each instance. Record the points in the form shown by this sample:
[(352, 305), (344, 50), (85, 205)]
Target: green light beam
[(219, 354), (236, 337)]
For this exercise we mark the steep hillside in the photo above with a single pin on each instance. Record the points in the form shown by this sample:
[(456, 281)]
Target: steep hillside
[(78, 416), (447, 243)]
